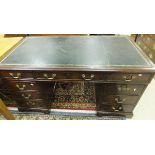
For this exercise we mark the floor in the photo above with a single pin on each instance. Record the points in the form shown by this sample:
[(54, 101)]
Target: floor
[(145, 109), (6, 44)]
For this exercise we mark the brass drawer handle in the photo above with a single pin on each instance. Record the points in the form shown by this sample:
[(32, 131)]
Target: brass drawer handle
[(50, 78), (128, 78), (20, 87), (31, 103), (91, 77), (26, 96), (116, 109), (120, 101), (18, 75)]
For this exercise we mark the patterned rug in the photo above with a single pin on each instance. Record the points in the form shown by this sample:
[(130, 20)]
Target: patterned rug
[(74, 95), (61, 117)]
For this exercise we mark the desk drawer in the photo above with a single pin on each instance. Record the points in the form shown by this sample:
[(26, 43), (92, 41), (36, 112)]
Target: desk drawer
[(128, 77), (30, 85), (120, 89), (22, 85), (119, 99), (38, 103), (17, 75), (30, 95), (116, 108), (84, 76)]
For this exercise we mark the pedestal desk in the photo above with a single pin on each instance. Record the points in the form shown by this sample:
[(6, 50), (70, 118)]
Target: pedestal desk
[(118, 68)]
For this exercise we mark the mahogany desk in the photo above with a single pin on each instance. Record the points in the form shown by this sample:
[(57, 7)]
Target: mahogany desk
[(117, 66)]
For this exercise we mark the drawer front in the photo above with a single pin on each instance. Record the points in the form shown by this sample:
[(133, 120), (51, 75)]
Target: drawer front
[(122, 89), (120, 99), (128, 78), (84, 76), (22, 85), (116, 109), (17, 75), (33, 104), (29, 95)]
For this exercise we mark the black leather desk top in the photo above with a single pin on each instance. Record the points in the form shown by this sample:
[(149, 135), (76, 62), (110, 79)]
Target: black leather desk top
[(77, 51)]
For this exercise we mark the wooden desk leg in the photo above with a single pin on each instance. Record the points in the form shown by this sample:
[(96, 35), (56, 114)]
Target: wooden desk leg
[(5, 112)]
